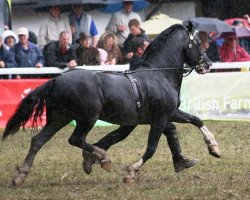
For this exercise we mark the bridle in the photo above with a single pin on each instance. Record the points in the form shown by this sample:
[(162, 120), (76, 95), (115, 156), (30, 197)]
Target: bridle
[(194, 43)]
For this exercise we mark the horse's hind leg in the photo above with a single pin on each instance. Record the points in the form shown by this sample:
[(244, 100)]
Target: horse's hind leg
[(182, 117), (36, 144), (180, 162), (90, 153)]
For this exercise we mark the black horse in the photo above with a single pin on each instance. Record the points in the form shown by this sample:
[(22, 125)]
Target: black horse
[(148, 96)]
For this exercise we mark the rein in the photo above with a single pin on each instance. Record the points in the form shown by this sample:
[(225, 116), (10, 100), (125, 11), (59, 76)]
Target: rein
[(190, 69)]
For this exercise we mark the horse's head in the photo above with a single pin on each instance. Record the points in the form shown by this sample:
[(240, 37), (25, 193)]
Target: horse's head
[(195, 56)]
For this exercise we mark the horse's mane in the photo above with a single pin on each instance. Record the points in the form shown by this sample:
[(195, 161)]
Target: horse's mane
[(156, 44)]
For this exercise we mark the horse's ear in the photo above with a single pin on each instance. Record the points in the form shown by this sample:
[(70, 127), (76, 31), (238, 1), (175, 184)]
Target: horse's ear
[(190, 26)]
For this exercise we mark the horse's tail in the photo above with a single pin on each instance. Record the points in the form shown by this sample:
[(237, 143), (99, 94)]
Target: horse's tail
[(34, 102)]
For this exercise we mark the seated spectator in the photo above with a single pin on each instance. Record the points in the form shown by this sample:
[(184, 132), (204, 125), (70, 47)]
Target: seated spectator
[(135, 31), (213, 51), (138, 46), (9, 39), (231, 51), (85, 53), (108, 42), (244, 42), (209, 45), (82, 22), (60, 53), (27, 54), (204, 40), (52, 26)]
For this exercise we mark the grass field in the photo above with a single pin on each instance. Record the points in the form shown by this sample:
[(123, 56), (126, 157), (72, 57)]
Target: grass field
[(57, 171)]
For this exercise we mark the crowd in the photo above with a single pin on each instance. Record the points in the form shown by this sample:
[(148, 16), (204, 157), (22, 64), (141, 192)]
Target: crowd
[(72, 41), (228, 47)]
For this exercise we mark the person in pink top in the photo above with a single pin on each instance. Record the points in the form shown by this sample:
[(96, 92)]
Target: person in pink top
[(231, 51)]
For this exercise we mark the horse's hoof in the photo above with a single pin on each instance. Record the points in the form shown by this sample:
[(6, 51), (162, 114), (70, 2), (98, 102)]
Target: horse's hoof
[(17, 180), (184, 164), (106, 165), (214, 151), (87, 167), (128, 180)]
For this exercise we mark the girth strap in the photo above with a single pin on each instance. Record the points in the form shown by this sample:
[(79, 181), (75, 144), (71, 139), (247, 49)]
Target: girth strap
[(135, 89)]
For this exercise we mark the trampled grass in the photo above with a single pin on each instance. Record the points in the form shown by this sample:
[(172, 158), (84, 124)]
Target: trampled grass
[(57, 171)]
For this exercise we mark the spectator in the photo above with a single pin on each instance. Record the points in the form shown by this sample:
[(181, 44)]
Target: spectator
[(7, 60), (135, 31), (9, 39), (27, 54), (231, 51), (108, 42), (209, 46), (138, 46), (204, 40), (244, 42), (52, 26), (60, 53), (82, 22), (118, 23), (86, 54)]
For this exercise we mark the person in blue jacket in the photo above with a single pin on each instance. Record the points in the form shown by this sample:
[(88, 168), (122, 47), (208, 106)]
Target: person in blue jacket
[(27, 54)]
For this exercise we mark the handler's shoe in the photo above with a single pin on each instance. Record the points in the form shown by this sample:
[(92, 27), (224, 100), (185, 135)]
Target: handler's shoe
[(184, 163)]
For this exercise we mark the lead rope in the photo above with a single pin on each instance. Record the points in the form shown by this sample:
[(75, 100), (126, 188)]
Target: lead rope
[(190, 69)]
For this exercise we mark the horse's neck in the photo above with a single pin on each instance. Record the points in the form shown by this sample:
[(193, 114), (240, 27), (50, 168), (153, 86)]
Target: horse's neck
[(174, 78)]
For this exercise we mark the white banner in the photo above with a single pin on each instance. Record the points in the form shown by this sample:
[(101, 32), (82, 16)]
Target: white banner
[(217, 95)]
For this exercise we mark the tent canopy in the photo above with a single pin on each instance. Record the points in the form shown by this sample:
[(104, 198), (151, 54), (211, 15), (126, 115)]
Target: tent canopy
[(158, 23)]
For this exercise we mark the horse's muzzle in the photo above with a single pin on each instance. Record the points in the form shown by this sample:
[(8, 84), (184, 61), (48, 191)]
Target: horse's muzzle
[(204, 65)]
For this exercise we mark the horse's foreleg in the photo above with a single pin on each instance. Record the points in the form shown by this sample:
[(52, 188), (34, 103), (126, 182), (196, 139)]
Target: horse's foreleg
[(153, 140), (182, 117), (213, 147), (36, 144), (180, 162)]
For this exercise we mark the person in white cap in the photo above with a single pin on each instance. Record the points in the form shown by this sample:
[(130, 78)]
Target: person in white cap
[(27, 54), (118, 23)]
